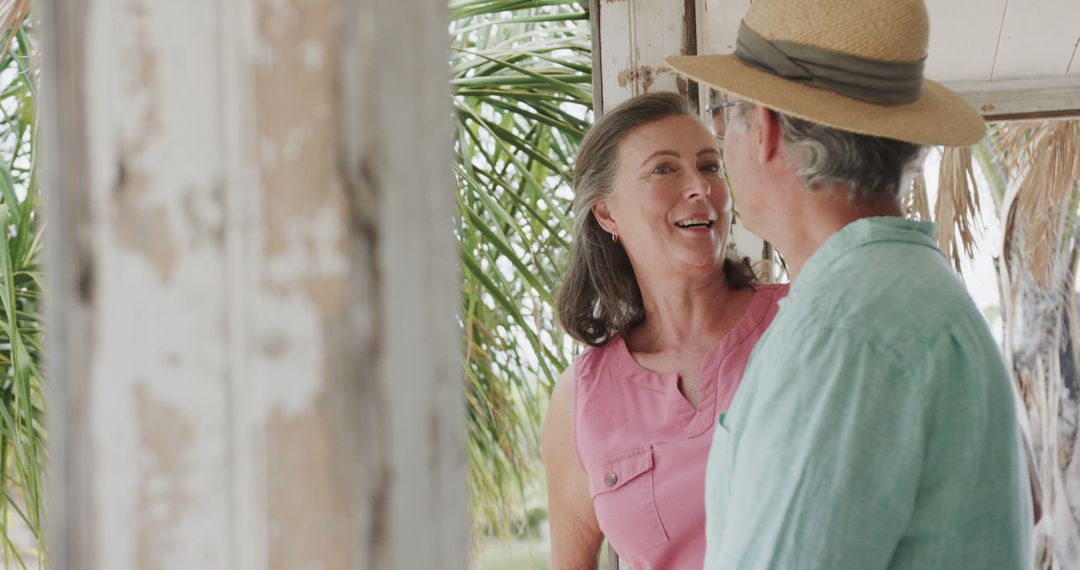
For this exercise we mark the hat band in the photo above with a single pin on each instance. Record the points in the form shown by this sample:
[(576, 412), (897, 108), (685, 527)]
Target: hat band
[(873, 81)]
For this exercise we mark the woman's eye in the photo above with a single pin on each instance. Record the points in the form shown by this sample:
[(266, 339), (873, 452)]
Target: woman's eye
[(663, 169), (711, 168)]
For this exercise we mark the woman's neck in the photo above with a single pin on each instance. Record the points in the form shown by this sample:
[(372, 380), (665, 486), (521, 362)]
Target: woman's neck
[(680, 312)]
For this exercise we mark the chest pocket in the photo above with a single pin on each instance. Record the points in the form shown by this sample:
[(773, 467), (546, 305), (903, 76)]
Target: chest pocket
[(622, 491)]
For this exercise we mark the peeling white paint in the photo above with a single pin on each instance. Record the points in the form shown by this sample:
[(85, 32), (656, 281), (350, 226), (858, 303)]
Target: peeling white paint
[(314, 250), (268, 152), (290, 330), (636, 36), (211, 335), (148, 325), (314, 54), (293, 349), (298, 136), (155, 121)]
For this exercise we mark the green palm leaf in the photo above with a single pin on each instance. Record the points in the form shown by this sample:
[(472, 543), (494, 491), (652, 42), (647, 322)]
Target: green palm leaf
[(521, 80), (22, 433)]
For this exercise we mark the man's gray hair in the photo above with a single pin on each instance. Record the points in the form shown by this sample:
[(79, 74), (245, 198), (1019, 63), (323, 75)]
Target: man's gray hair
[(869, 166)]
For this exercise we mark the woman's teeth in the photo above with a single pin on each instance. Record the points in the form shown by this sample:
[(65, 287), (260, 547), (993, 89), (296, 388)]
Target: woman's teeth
[(695, 224)]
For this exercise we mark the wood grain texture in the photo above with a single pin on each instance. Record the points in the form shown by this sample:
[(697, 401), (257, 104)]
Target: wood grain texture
[(635, 38), (253, 279), (963, 38), (1038, 39)]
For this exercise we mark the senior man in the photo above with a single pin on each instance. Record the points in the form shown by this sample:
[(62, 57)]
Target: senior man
[(875, 426)]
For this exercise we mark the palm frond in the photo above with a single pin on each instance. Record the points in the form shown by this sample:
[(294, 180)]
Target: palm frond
[(1045, 161), (957, 208), (917, 202), (521, 79), (22, 434), (996, 175), (1040, 211)]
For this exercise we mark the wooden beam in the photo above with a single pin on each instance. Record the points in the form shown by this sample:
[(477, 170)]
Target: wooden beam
[(70, 286), (249, 243), (597, 60), (1026, 99)]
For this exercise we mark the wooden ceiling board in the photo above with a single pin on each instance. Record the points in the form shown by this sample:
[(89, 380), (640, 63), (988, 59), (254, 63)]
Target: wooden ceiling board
[(1038, 39), (962, 49)]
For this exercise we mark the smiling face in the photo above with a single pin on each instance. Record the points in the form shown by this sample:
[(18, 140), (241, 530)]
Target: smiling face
[(669, 205)]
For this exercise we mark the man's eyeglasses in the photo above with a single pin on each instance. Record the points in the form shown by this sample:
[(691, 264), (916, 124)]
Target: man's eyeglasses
[(721, 114), (725, 107)]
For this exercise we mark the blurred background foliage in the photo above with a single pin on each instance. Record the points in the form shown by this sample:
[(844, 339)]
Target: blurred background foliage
[(22, 431), (522, 91)]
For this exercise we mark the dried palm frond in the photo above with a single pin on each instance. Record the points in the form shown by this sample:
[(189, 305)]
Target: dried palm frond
[(12, 14), (1045, 161), (1041, 250), (917, 202), (991, 165), (957, 208)]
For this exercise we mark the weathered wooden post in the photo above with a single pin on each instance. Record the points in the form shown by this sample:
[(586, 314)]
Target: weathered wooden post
[(252, 354)]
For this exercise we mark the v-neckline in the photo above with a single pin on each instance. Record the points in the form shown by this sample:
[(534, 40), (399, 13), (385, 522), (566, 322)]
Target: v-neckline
[(668, 382)]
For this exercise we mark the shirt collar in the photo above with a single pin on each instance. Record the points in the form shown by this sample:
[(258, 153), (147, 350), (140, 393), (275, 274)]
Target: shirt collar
[(857, 234)]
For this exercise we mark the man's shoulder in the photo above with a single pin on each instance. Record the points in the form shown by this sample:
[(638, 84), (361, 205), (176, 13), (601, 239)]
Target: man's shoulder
[(900, 296)]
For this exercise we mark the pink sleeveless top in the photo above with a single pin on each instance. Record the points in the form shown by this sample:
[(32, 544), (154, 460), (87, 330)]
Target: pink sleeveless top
[(644, 447)]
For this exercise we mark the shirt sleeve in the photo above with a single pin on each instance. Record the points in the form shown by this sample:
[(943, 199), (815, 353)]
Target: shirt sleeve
[(824, 457)]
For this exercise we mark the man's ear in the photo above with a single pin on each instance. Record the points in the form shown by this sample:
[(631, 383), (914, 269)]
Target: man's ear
[(766, 131), (602, 213)]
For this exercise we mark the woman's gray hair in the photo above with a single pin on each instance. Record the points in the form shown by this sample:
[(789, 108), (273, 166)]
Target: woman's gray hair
[(869, 166), (599, 297)]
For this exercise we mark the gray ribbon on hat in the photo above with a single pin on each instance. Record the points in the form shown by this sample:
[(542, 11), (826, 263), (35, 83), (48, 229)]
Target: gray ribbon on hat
[(873, 81)]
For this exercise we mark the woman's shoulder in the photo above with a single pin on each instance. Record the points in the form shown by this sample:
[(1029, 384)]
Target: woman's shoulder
[(578, 385), (598, 368), (765, 305), (593, 354)]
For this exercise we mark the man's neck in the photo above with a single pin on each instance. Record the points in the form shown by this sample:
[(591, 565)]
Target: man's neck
[(823, 214)]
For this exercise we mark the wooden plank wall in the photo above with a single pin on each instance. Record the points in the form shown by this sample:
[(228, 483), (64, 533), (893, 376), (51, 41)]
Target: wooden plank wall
[(252, 353), (635, 37)]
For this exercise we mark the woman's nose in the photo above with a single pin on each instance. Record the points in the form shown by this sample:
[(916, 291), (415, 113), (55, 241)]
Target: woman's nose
[(698, 185)]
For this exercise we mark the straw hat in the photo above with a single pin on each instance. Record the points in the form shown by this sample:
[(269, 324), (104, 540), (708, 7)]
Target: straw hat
[(855, 65)]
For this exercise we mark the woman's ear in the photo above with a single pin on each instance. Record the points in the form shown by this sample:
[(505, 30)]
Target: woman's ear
[(602, 213)]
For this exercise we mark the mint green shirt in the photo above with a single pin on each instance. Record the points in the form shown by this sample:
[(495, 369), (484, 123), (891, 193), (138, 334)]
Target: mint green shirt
[(875, 424)]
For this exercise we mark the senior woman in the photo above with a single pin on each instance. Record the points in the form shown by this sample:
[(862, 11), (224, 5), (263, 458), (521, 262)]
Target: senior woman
[(670, 322)]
